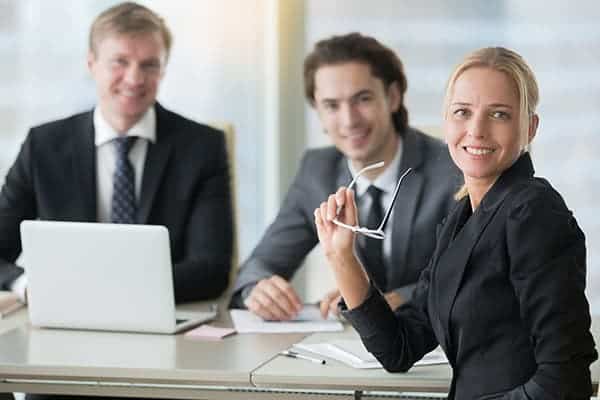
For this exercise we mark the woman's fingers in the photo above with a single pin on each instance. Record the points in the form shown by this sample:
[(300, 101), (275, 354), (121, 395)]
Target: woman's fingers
[(331, 207), (340, 196), (350, 208), (322, 215)]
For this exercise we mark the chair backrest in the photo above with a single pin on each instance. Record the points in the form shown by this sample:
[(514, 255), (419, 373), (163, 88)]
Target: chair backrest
[(229, 131)]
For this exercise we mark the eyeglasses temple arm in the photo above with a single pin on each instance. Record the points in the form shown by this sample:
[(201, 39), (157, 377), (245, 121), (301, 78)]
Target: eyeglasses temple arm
[(391, 206)]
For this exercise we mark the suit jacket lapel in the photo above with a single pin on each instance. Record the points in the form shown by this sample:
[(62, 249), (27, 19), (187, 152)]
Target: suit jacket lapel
[(455, 258), (444, 237), (343, 175), (406, 204), (156, 161), (83, 156)]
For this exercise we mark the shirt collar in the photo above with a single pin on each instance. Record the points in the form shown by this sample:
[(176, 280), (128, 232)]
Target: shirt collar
[(144, 128), (386, 181)]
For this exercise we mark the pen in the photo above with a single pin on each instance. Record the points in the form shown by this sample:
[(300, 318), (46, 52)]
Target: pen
[(293, 354)]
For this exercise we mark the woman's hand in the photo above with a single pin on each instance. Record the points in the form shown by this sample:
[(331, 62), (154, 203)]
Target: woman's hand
[(338, 244)]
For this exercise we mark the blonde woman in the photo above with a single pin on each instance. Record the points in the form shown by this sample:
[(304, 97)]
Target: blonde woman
[(503, 293)]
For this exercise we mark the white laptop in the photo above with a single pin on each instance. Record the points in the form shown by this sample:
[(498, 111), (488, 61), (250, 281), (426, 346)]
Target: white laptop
[(102, 277)]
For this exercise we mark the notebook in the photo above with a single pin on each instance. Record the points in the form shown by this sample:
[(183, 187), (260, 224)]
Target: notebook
[(352, 352), (102, 277)]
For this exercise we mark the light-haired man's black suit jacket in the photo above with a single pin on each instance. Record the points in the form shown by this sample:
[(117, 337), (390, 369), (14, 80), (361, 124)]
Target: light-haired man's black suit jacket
[(425, 197), (185, 187)]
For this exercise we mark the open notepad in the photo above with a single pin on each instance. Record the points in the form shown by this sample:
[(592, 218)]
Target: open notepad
[(353, 353), (308, 320)]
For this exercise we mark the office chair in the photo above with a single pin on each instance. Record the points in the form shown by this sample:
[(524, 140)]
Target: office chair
[(229, 131)]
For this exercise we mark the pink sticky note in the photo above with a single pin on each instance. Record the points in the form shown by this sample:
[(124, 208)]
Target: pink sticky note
[(208, 332)]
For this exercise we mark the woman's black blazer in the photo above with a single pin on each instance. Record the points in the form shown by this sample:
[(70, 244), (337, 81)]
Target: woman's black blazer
[(503, 295)]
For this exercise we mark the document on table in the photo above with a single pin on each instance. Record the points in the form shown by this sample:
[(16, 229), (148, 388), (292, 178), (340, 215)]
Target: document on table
[(308, 320), (353, 353)]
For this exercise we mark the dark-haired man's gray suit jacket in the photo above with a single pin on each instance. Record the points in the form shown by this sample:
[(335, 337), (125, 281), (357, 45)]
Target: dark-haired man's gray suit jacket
[(425, 197)]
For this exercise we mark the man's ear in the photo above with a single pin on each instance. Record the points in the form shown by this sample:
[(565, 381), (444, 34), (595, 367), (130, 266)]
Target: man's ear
[(394, 96), (91, 59)]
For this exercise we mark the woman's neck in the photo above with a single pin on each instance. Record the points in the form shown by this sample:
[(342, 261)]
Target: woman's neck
[(477, 189)]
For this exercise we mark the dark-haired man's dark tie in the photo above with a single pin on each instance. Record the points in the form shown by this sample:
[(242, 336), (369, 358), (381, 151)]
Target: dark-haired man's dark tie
[(123, 206), (373, 248)]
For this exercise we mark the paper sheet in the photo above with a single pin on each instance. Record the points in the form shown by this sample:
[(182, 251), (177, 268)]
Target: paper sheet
[(308, 320), (353, 353), (331, 351)]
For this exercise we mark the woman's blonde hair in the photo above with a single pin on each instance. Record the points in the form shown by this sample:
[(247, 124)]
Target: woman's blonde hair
[(515, 68)]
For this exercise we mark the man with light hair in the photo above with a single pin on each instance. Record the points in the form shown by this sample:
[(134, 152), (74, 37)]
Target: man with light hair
[(128, 160)]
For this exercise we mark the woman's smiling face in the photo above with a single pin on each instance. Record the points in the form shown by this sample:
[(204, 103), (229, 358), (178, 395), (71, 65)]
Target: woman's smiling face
[(482, 125)]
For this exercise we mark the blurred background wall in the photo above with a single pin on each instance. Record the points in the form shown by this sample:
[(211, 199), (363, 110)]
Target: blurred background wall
[(239, 61)]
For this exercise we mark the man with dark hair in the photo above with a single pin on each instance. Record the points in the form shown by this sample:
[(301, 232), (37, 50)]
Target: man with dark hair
[(129, 160), (357, 87)]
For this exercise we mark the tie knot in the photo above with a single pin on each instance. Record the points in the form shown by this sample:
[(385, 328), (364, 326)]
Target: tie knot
[(375, 193), (123, 144)]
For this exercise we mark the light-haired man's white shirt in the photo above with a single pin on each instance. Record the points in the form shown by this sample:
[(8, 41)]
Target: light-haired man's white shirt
[(106, 158), (386, 182)]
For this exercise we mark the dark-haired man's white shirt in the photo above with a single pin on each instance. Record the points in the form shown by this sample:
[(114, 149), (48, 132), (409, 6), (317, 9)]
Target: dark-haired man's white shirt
[(386, 182)]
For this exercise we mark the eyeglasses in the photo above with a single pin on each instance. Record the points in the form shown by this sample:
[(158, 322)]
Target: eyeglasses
[(372, 233)]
